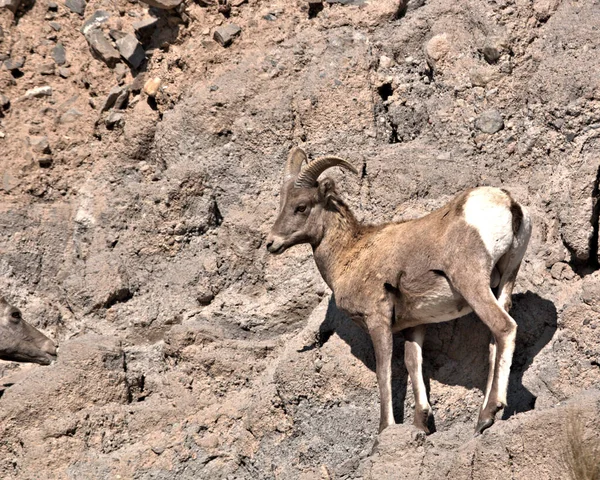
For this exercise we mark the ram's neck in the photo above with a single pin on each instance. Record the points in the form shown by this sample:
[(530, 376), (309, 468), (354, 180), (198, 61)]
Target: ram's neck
[(341, 229)]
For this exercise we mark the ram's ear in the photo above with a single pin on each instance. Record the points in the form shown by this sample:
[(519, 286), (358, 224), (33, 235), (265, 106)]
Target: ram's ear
[(326, 189)]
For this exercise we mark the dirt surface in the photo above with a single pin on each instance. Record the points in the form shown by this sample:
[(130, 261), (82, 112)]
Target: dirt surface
[(135, 197)]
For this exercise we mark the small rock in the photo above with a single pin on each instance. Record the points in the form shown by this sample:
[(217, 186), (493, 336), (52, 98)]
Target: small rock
[(64, 72), (14, 63), (152, 86), (45, 161), (112, 97), (70, 116), (55, 26), (491, 53), (489, 122), (385, 62), (121, 71), (53, 6), (114, 119), (37, 92), (76, 6), (131, 50), (138, 83), (94, 21), (205, 298), (121, 101), (59, 55), (225, 35), (437, 47), (145, 28), (163, 4), (39, 144), (102, 47), (46, 68)]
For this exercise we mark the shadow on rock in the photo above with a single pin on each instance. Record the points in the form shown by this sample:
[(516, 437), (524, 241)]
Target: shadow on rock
[(456, 352)]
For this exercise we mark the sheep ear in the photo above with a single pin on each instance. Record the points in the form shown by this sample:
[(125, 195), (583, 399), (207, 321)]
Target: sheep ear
[(326, 188)]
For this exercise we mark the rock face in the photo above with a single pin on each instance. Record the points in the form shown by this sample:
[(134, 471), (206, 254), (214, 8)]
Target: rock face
[(137, 242)]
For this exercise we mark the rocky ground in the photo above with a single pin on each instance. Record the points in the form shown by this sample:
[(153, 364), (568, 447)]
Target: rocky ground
[(142, 149)]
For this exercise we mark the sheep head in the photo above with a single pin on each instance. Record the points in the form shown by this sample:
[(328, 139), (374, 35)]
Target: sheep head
[(303, 199), (20, 341)]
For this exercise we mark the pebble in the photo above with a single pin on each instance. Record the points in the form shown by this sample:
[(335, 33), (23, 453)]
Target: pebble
[(489, 122), (37, 92), (102, 47), (121, 101), (112, 97), (225, 35), (39, 144), (64, 72), (53, 6), (46, 68), (131, 50), (490, 53), (14, 63), (76, 6), (385, 61), (437, 47), (114, 119), (55, 26), (59, 54), (152, 86)]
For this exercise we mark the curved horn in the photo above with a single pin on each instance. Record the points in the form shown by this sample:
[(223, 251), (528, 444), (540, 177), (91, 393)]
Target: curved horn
[(308, 176), (294, 163)]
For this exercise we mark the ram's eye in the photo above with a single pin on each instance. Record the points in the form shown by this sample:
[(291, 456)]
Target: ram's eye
[(300, 208), (15, 316)]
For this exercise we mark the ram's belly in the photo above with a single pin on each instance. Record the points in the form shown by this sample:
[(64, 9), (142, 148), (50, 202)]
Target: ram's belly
[(439, 304)]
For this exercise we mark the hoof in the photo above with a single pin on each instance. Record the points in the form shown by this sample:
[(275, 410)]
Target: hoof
[(424, 421), (483, 424)]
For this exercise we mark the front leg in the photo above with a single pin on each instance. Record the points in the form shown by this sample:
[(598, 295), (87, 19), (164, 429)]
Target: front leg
[(381, 336)]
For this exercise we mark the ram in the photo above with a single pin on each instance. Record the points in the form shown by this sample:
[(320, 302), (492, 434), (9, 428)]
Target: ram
[(21, 342), (402, 276)]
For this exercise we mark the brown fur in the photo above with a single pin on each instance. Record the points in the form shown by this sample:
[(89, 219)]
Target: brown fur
[(401, 276)]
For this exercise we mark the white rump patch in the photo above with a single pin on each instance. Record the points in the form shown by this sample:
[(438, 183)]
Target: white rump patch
[(487, 209)]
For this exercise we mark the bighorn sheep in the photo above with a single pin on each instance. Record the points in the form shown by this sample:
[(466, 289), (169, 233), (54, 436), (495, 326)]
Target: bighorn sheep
[(21, 342), (401, 276)]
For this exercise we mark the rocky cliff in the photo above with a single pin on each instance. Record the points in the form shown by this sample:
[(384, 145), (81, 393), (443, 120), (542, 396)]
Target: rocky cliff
[(142, 149)]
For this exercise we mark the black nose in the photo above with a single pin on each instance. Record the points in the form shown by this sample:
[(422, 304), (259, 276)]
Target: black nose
[(269, 245)]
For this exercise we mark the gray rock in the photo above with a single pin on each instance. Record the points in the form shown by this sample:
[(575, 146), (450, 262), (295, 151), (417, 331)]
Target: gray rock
[(11, 5), (70, 116), (55, 26), (491, 53), (76, 6), (489, 122), (112, 97), (39, 144), (224, 35), (102, 47), (59, 54), (64, 72), (14, 63), (38, 92), (121, 101), (46, 68), (145, 28), (163, 4), (131, 50), (53, 6), (94, 21), (114, 120)]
